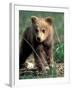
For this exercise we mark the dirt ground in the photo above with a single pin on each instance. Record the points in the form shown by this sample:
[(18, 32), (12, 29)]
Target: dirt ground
[(30, 64), (60, 69)]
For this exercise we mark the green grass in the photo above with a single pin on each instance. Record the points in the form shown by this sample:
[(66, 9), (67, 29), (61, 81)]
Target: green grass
[(34, 75), (59, 52)]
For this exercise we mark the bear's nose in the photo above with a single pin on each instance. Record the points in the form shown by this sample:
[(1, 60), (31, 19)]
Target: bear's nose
[(38, 39)]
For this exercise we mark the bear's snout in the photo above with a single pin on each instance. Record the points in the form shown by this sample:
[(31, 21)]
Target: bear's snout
[(38, 39)]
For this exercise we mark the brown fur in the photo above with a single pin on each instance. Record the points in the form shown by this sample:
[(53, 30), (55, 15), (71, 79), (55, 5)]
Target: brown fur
[(40, 36)]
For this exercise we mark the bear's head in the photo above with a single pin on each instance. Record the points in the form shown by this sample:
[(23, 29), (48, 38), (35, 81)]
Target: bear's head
[(42, 27)]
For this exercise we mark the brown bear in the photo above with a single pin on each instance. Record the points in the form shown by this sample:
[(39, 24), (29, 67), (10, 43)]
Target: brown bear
[(38, 38)]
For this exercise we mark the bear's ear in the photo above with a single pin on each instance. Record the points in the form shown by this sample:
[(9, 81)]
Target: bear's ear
[(49, 20), (34, 19)]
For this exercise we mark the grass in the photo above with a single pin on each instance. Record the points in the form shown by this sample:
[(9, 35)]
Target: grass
[(35, 74), (59, 52)]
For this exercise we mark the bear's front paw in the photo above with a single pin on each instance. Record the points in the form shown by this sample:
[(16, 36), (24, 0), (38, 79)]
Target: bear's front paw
[(47, 68)]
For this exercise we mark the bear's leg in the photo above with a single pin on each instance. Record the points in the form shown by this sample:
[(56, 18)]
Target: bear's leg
[(25, 51), (50, 57), (40, 58)]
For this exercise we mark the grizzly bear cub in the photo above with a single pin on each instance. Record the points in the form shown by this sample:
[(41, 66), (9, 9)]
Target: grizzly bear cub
[(38, 38)]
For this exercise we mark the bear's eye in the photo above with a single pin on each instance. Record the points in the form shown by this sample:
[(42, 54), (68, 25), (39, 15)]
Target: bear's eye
[(43, 31), (36, 30)]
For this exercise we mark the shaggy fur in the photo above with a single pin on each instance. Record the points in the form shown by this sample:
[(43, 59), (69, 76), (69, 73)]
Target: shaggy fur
[(38, 36)]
